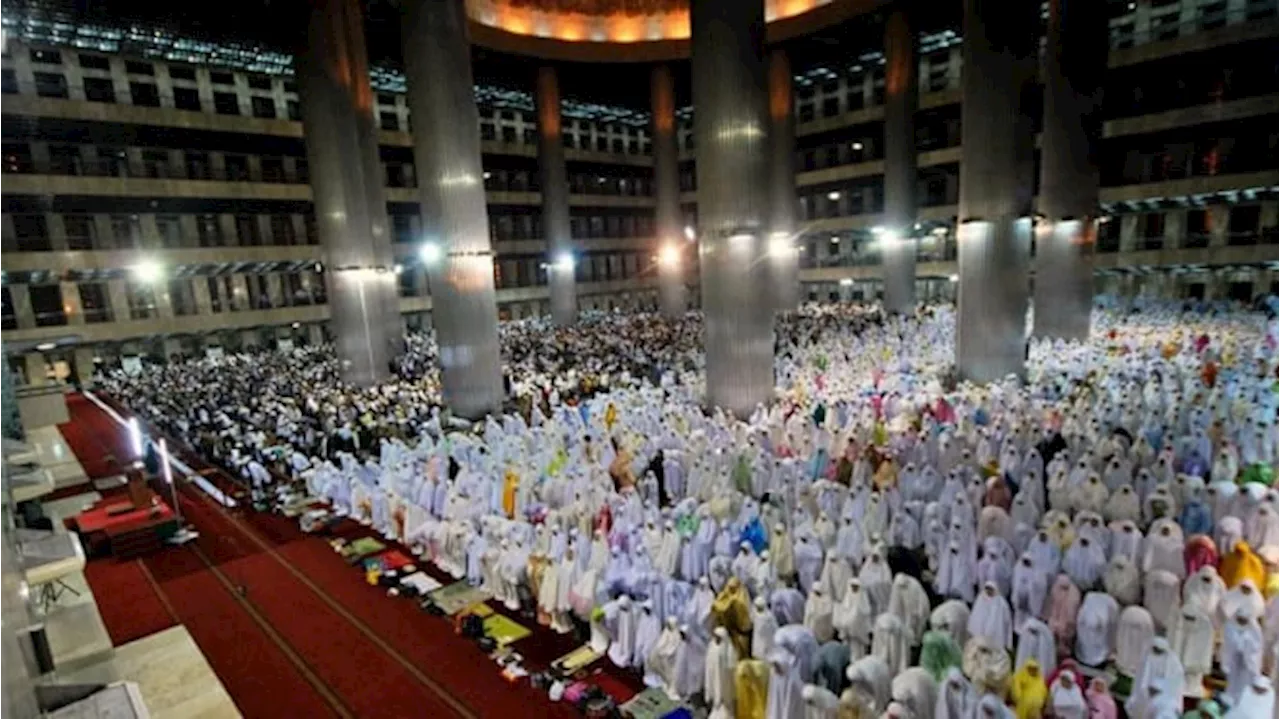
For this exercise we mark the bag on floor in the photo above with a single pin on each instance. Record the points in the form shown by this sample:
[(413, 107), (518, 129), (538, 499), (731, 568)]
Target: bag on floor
[(472, 627)]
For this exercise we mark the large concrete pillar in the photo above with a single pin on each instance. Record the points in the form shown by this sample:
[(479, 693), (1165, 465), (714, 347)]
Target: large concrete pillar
[(994, 237), (374, 185), (781, 247), (731, 128), (555, 199), (901, 96), (339, 175), (446, 149), (1074, 62), (668, 219)]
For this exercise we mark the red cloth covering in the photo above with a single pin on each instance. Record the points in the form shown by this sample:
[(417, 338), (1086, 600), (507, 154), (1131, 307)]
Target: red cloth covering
[(394, 560), (100, 517)]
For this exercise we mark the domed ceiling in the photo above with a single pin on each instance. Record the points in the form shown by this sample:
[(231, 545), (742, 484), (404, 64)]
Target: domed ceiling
[(608, 21)]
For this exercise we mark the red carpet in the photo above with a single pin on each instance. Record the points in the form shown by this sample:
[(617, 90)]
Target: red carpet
[(135, 610), (102, 447), (380, 656)]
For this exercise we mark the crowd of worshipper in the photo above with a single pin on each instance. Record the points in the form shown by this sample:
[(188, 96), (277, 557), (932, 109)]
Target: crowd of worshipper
[(1099, 540)]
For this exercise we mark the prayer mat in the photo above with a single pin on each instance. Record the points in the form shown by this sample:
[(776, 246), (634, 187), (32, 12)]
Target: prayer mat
[(457, 597), (420, 581), (652, 703), (576, 659), (614, 687), (503, 630), (392, 560), (362, 547)]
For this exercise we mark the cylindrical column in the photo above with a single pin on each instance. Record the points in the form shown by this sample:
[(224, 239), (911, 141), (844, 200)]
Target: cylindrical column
[(446, 150), (731, 128), (375, 190), (1075, 60), (338, 172), (994, 236), (555, 200), (784, 265), (897, 241), (666, 193)]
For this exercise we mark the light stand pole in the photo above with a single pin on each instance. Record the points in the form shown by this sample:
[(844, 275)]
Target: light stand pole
[(183, 535)]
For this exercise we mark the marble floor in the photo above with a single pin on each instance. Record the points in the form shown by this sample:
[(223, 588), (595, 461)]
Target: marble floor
[(57, 457), (175, 680)]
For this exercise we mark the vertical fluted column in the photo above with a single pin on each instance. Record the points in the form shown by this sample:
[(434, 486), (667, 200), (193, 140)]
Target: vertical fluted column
[(666, 193), (555, 200), (1075, 59), (901, 94), (357, 275), (446, 149), (994, 235), (784, 266), (731, 128)]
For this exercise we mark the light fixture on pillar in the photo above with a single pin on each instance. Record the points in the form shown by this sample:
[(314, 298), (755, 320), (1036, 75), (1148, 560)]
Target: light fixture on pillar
[(430, 253), (780, 245), (147, 271), (564, 262), (669, 257), (689, 233), (857, 146), (953, 278), (833, 195), (846, 282), (398, 268)]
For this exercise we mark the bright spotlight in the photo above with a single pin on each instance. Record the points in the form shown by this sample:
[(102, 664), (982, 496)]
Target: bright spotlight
[(846, 282), (564, 261), (953, 278), (46, 346), (689, 234), (398, 268), (147, 271), (835, 239), (431, 253), (833, 195), (857, 145), (669, 256), (877, 230), (780, 246)]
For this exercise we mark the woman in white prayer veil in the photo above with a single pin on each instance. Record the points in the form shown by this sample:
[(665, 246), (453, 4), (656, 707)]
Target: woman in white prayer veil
[(915, 689), (1024, 510), (1134, 632), (763, 626), (819, 702), (661, 664), (1261, 528), (784, 698), (1096, 628), (1242, 597), (1123, 581), (870, 684), (956, 698), (718, 686), (986, 664), (818, 615), (648, 628), (876, 579), (1028, 590), (996, 564), (836, 573), (1162, 596), (691, 663), (1085, 562), (1164, 549), (952, 617), (1221, 497), (1126, 541), (1124, 506), (1259, 700), (1191, 637), (1066, 699), (993, 521), (1160, 504), (1160, 668), (1035, 641), (1091, 496), (891, 642), (1205, 589), (1045, 553), (956, 574), (621, 621), (854, 619), (1226, 533), (1240, 654), (992, 617), (909, 601)]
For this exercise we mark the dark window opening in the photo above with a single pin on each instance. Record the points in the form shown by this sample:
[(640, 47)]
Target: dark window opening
[(263, 107), (139, 68), (144, 94), (94, 62), (99, 89), (185, 98), (226, 103), (50, 84)]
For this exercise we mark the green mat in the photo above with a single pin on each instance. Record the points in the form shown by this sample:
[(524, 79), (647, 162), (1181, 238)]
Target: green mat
[(362, 547), (458, 596), (652, 703), (503, 630)]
